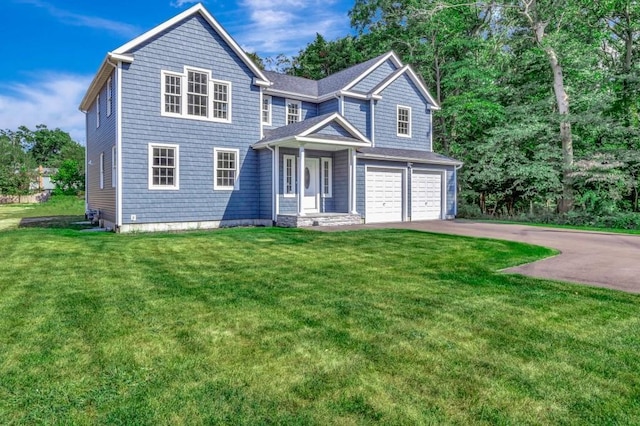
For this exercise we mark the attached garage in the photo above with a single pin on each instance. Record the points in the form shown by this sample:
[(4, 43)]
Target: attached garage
[(426, 195), (384, 200)]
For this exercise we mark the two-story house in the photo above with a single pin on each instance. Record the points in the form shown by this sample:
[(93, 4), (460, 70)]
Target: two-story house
[(184, 131)]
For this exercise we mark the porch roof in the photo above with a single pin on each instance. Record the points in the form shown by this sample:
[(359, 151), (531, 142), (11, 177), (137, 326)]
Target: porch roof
[(309, 132), (407, 155)]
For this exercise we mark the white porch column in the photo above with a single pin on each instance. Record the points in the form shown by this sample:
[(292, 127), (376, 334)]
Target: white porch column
[(352, 176), (276, 183), (301, 180)]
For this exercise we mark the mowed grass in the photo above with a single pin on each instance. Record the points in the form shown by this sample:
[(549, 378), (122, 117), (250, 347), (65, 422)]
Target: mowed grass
[(61, 211), (277, 326)]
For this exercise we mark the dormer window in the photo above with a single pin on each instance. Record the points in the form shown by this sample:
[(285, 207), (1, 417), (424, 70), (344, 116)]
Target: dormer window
[(294, 111), (194, 94)]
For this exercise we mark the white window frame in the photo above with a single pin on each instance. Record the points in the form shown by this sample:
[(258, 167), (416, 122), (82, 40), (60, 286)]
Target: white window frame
[(97, 111), (285, 177), (109, 96), (326, 176), (102, 170), (184, 95), (266, 100), (217, 151), (403, 135), (176, 180), (286, 111), (114, 167)]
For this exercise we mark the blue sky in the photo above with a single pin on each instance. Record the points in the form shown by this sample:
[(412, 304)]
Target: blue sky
[(52, 48)]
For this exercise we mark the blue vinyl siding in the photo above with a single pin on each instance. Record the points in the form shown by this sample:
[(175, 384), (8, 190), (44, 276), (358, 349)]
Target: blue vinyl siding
[(357, 112), (375, 77), (266, 183), (328, 106), (402, 92), (333, 129), (341, 181), (279, 112), (194, 43), (101, 140)]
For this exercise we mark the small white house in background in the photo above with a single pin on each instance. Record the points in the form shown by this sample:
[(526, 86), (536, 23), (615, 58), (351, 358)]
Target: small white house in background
[(43, 179), (184, 131)]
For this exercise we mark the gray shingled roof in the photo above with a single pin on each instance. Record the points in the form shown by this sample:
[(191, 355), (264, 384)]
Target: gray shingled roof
[(293, 129), (408, 155), (330, 84), (340, 79), (289, 83)]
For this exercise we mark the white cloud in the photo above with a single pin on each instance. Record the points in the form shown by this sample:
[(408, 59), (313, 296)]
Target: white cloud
[(78, 20), (285, 26), (52, 100), (180, 3)]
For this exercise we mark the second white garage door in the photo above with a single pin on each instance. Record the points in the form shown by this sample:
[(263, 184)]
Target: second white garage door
[(426, 195), (384, 200)]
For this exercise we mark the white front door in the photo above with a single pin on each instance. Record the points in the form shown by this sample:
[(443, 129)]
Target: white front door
[(311, 182), (426, 195)]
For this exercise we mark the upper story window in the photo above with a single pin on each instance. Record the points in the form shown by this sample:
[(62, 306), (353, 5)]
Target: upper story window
[(109, 96), (163, 166), (294, 111), (225, 167), (266, 110), (194, 94), (404, 121)]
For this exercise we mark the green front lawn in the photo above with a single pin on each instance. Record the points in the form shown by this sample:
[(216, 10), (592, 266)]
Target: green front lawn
[(275, 326), (59, 211)]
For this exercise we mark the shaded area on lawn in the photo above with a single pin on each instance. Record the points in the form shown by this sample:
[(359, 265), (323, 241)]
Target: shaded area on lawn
[(284, 326)]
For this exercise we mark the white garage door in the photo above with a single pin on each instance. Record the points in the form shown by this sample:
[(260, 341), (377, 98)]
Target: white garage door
[(384, 188), (426, 195)]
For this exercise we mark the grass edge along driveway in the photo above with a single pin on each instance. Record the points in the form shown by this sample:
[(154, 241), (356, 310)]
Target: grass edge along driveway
[(277, 326)]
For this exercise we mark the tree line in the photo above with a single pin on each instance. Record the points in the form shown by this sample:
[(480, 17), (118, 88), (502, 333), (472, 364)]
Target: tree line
[(540, 98), (24, 151)]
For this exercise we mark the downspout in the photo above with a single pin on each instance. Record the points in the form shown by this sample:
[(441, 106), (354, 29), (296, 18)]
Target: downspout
[(118, 67), (372, 111)]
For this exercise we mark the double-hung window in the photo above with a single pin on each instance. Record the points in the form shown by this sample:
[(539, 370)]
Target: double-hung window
[(294, 111), (194, 94), (197, 93), (404, 121), (102, 170), (325, 177), (163, 166), (225, 168), (289, 175), (97, 111), (114, 166), (266, 110)]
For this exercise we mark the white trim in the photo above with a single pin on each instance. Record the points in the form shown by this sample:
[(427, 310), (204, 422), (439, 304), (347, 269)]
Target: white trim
[(286, 110), (323, 161), (372, 113), (98, 110), (176, 177), (342, 121), (354, 192), (430, 130), (109, 96), (409, 121), (101, 165), (236, 160), (114, 166), (119, 143), (184, 95), (376, 93), (391, 55), (198, 8), (294, 179), (269, 99), (276, 186), (301, 162), (294, 95), (413, 160), (187, 226)]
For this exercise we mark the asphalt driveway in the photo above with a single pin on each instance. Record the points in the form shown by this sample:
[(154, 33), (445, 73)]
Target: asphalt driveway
[(596, 258)]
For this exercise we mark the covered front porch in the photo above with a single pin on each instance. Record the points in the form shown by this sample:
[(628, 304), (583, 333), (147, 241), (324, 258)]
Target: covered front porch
[(314, 172)]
